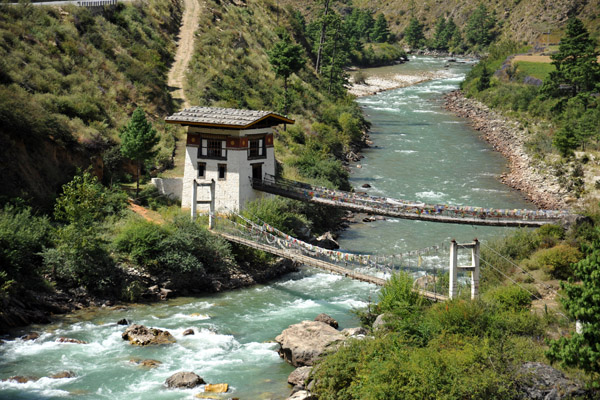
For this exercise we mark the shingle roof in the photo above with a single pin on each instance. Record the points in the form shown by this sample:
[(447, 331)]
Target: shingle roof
[(225, 117)]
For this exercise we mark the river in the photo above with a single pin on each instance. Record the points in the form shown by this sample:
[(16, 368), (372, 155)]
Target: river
[(421, 153)]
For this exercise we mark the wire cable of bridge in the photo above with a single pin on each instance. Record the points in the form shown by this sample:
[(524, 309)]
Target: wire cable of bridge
[(518, 267), (511, 279)]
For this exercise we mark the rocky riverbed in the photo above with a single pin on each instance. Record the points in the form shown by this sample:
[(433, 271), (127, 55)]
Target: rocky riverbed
[(533, 178)]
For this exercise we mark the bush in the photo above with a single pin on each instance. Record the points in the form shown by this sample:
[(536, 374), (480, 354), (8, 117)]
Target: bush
[(81, 258), (140, 240), (22, 238), (279, 212), (512, 298), (556, 261), (398, 294)]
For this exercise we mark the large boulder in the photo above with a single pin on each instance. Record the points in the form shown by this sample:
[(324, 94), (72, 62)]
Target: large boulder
[(299, 376), (302, 344), (358, 332), (184, 380), (539, 381), (327, 319), (140, 335)]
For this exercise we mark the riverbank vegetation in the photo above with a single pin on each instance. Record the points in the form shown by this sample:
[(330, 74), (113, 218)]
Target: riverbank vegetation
[(556, 101), (478, 348)]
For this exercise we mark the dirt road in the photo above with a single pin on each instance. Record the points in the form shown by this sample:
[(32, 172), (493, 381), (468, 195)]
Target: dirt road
[(185, 49)]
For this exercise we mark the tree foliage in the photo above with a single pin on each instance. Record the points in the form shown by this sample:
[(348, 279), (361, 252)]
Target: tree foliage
[(138, 139), (381, 32), (582, 302), (413, 34), (576, 63), (286, 58), (480, 27)]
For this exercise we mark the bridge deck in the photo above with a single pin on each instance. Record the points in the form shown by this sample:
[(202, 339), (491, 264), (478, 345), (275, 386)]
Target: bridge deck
[(294, 256), (292, 192)]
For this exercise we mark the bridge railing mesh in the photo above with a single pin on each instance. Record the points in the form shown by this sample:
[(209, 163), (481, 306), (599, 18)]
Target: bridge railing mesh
[(390, 206)]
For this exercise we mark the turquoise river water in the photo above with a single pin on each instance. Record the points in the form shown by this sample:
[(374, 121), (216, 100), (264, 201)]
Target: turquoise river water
[(422, 152)]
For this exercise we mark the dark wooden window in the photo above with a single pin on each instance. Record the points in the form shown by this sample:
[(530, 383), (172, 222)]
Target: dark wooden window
[(212, 148), (222, 171), (257, 148), (201, 170)]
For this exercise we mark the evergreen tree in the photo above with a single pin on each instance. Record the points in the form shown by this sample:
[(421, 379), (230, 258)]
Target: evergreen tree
[(381, 32), (480, 27), (453, 36), (440, 40), (138, 139), (582, 302), (286, 58), (484, 79), (576, 62), (414, 33)]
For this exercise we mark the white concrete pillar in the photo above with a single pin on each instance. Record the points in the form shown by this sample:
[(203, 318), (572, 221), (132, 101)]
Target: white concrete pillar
[(211, 206), (194, 199), (475, 270), (453, 287)]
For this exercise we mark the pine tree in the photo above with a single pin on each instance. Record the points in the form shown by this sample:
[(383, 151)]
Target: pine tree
[(480, 27), (138, 139), (381, 32), (286, 58), (576, 61), (414, 33), (440, 41), (582, 302)]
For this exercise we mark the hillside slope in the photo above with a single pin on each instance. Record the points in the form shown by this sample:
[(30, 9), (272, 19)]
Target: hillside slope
[(69, 79), (522, 20)]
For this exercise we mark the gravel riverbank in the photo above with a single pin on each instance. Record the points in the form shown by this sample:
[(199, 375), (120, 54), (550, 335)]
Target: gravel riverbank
[(508, 137)]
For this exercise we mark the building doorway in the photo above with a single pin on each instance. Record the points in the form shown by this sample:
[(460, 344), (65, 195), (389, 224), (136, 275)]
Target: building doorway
[(257, 171)]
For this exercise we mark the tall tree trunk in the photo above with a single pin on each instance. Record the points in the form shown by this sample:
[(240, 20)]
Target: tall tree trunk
[(322, 39), (137, 187), (335, 42)]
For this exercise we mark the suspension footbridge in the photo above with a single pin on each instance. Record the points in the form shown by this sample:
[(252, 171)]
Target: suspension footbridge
[(404, 209)]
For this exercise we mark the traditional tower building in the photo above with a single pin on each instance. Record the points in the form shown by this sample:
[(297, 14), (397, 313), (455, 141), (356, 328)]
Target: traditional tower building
[(228, 147)]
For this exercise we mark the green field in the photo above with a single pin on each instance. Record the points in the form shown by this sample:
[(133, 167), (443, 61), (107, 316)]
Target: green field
[(538, 70)]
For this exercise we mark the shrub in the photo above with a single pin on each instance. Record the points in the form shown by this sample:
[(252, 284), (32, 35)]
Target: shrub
[(140, 240), (511, 298), (280, 213), (85, 201), (81, 258), (398, 294), (556, 261), (22, 237), (460, 316)]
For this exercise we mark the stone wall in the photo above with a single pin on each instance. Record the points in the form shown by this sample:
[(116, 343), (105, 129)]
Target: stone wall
[(170, 187)]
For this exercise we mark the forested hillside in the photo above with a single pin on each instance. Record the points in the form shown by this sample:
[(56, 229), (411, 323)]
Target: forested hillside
[(69, 79)]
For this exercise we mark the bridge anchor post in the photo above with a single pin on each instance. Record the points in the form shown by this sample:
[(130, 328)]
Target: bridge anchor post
[(474, 268)]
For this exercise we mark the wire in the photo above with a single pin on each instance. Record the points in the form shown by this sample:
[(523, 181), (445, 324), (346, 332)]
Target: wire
[(510, 279)]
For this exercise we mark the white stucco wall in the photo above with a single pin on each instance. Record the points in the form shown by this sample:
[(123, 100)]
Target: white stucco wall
[(170, 187), (235, 190)]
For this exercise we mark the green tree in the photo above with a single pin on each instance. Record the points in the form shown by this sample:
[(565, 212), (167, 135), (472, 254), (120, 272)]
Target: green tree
[(414, 33), (576, 62), (582, 302), (84, 201), (480, 27), (381, 32), (286, 58), (138, 139), (440, 41), (484, 79)]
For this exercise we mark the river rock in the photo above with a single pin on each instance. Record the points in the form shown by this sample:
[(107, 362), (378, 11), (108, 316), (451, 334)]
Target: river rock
[(327, 319), (21, 379), (302, 395), (63, 375), (299, 376), (184, 380), (327, 241), (379, 322), (302, 344), (146, 363), (123, 322), (216, 388), (70, 340), (140, 335), (539, 381), (30, 336), (188, 332), (355, 332), (366, 186)]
